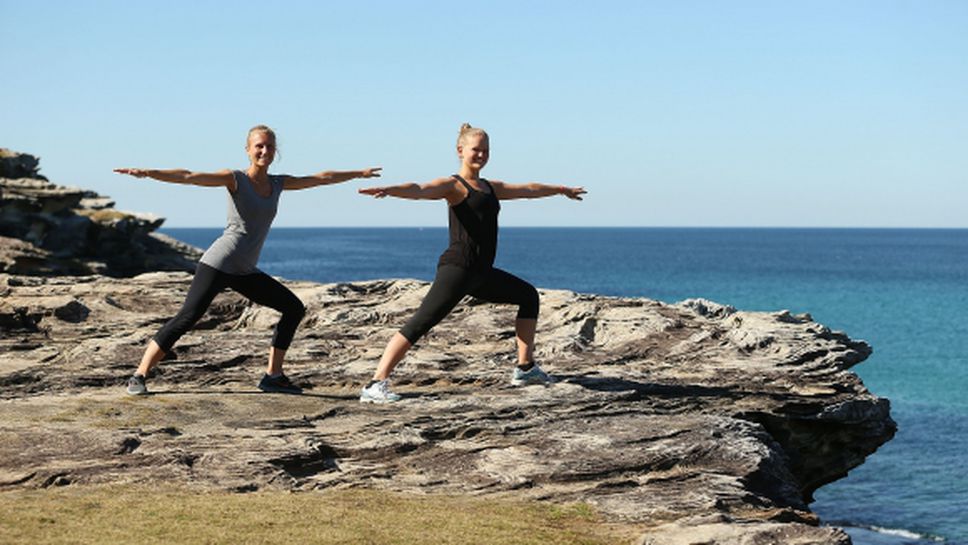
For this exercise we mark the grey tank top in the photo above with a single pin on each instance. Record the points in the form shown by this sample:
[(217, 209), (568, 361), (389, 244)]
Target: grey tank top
[(249, 217)]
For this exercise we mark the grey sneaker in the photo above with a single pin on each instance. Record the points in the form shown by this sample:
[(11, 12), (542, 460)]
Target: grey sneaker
[(136, 385), (532, 376), (280, 384), (378, 392)]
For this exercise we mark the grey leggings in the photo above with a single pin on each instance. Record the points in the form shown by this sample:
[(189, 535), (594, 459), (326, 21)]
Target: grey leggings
[(452, 283), (258, 287)]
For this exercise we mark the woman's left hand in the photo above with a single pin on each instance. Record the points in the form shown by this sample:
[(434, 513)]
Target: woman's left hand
[(136, 172), (373, 172), (574, 193)]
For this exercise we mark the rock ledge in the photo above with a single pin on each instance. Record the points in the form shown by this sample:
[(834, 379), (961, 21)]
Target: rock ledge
[(48, 229), (699, 422)]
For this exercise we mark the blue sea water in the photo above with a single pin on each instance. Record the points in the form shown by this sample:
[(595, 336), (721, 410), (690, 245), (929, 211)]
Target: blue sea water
[(905, 291)]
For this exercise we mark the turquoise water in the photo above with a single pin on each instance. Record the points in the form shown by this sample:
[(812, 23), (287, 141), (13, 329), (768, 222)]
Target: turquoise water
[(905, 291)]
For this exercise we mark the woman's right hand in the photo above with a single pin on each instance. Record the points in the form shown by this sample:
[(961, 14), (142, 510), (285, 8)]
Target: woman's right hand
[(378, 192), (136, 172)]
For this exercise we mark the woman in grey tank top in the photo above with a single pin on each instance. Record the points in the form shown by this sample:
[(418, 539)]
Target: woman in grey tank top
[(230, 262)]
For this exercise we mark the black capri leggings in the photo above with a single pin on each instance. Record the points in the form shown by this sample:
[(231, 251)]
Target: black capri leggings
[(258, 287), (452, 283)]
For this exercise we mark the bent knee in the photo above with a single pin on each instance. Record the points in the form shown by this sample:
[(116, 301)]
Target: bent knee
[(296, 311), (530, 304)]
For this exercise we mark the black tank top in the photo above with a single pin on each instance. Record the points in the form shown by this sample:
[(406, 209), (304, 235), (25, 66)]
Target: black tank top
[(473, 229)]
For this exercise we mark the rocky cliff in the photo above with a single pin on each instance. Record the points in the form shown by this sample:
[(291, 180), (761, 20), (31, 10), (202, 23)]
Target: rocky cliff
[(700, 423), (50, 229)]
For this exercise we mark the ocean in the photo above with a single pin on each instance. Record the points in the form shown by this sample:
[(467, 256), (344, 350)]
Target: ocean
[(905, 291)]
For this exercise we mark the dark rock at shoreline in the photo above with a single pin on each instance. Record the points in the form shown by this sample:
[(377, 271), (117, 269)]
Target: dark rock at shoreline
[(47, 229)]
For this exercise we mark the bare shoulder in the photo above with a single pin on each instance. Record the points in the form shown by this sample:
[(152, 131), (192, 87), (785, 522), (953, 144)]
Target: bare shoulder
[(443, 181), (447, 187), (224, 174), (227, 177), (499, 188)]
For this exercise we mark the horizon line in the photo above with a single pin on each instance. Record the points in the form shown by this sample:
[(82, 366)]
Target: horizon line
[(818, 227)]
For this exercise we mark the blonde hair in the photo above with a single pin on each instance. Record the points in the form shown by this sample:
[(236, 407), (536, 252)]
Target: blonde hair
[(466, 130), (261, 128)]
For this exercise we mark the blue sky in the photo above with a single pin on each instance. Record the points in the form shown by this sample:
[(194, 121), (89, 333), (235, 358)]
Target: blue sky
[(678, 113)]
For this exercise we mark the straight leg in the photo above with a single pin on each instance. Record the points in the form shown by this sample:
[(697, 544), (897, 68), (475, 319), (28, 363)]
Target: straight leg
[(206, 284), (448, 289)]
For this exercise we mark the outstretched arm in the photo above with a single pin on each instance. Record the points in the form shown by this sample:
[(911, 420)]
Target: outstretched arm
[(441, 188), (535, 191), (329, 177), (178, 176)]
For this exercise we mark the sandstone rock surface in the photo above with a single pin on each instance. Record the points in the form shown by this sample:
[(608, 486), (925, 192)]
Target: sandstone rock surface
[(700, 423)]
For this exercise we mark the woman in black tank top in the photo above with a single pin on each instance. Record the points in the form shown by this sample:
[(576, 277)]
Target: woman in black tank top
[(467, 265), (473, 228)]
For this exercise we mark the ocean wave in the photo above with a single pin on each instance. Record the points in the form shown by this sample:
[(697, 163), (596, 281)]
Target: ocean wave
[(867, 534), (905, 534)]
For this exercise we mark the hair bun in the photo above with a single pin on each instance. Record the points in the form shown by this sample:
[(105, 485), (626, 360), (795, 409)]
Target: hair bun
[(466, 131)]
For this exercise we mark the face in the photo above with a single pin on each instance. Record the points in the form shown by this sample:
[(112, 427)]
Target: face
[(474, 151), (261, 149)]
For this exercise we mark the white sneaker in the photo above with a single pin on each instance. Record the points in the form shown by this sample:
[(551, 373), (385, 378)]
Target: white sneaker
[(532, 376), (378, 392)]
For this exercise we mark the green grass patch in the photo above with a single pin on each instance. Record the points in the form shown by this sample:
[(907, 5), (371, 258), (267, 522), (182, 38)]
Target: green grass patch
[(137, 514)]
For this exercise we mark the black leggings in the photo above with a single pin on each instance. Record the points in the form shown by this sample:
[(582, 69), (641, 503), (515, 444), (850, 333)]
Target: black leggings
[(451, 285), (258, 287)]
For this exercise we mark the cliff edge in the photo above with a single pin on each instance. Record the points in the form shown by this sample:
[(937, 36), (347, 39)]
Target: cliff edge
[(698, 422)]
